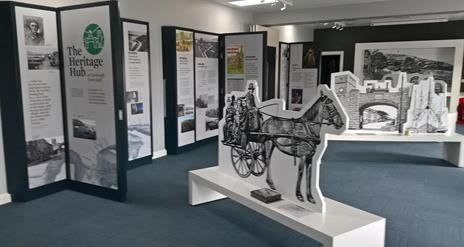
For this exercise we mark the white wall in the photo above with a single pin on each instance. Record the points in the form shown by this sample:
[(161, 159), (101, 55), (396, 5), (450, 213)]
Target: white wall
[(196, 14), (377, 9), (295, 33)]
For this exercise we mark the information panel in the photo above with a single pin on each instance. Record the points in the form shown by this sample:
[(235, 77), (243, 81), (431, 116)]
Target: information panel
[(137, 81), (185, 88), (207, 85), (41, 95), (244, 60), (88, 71), (304, 71)]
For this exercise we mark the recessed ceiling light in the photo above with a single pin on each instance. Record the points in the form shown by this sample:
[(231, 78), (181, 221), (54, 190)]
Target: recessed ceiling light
[(243, 3)]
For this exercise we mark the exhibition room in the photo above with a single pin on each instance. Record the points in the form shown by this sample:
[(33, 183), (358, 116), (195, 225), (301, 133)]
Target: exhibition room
[(261, 123)]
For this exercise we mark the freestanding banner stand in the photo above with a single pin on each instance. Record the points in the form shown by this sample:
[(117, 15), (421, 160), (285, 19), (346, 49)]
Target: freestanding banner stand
[(138, 91), (62, 100)]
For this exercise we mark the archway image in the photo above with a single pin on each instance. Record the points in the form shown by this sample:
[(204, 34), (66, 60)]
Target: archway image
[(381, 117)]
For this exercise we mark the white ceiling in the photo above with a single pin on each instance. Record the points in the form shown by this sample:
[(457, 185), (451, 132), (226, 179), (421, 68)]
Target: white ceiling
[(301, 4)]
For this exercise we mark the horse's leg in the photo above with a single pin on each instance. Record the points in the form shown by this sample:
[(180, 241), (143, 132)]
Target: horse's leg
[(309, 165), (269, 148), (301, 166)]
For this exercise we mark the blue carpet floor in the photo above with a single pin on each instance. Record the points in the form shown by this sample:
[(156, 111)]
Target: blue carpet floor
[(421, 196)]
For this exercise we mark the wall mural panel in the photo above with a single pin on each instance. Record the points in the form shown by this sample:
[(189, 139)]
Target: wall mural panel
[(267, 146), (441, 59)]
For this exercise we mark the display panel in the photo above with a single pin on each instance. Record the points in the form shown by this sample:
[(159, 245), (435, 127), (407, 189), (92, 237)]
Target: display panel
[(244, 60), (185, 88), (303, 77), (206, 85), (137, 82), (89, 82), (39, 64), (256, 138)]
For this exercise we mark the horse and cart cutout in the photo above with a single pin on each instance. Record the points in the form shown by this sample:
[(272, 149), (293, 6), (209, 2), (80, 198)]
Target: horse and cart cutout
[(261, 138)]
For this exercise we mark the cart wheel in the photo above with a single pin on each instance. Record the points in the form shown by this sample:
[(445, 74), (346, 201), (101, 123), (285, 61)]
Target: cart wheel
[(239, 161), (256, 160)]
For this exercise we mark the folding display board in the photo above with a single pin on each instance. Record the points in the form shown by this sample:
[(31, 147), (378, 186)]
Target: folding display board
[(191, 70), (62, 100), (138, 91)]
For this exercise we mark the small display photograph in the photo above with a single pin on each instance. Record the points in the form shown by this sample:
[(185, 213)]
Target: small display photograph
[(137, 108), (132, 97), (33, 30), (202, 101), (184, 41), (212, 119), (45, 160), (206, 48), (436, 62), (187, 124), (43, 59), (309, 57), (180, 110), (84, 129), (297, 96), (235, 60), (138, 41), (379, 117)]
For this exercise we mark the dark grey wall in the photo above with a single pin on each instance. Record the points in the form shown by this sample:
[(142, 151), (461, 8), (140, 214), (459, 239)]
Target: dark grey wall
[(332, 40)]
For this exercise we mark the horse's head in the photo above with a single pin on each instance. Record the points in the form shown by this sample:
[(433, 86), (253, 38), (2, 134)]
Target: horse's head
[(329, 112)]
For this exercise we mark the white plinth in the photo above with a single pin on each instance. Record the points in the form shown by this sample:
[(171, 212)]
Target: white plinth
[(453, 149), (340, 226), (5, 198)]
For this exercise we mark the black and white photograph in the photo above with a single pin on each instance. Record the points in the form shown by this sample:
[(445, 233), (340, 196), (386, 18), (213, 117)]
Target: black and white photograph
[(206, 48), (211, 119), (202, 101), (309, 56), (132, 97), (138, 41), (43, 59), (297, 96), (45, 160), (436, 62), (180, 110), (84, 129), (137, 108), (33, 30), (187, 124)]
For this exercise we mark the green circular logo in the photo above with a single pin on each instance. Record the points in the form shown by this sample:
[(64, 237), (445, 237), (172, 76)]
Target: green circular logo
[(93, 39)]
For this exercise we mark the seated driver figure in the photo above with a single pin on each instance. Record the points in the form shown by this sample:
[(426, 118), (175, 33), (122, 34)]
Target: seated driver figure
[(230, 120)]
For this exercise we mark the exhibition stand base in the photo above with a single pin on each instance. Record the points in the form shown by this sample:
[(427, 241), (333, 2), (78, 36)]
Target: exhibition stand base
[(340, 226), (453, 150), (5, 198)]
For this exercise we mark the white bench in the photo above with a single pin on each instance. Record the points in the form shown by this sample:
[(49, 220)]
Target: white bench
[(340, 226), (453, 150)]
